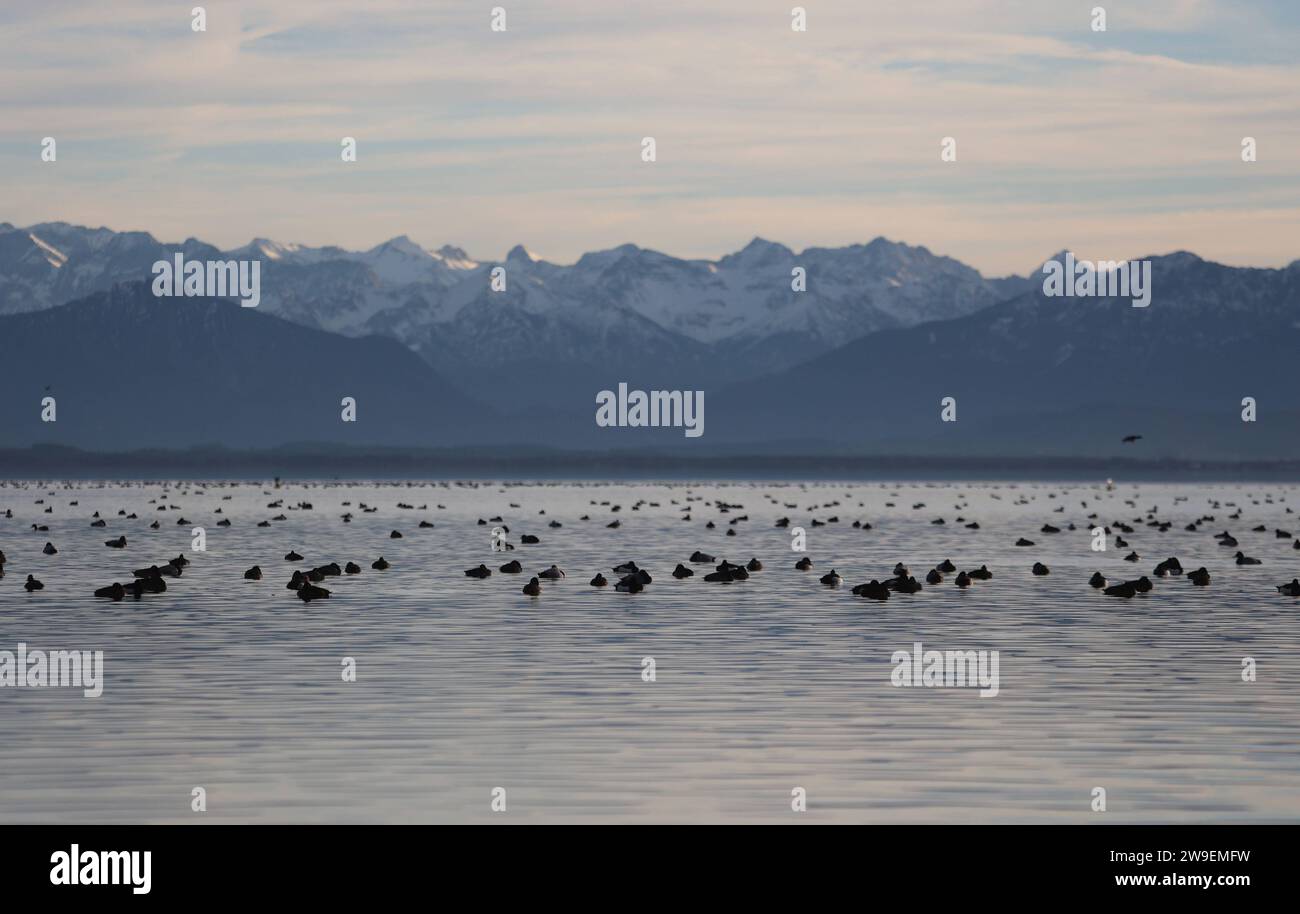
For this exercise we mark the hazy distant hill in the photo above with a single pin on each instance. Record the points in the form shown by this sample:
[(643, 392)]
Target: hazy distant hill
[(129, 370), (1068, 376)]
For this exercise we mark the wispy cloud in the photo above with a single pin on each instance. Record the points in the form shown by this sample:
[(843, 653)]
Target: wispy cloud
[(1119, 143)]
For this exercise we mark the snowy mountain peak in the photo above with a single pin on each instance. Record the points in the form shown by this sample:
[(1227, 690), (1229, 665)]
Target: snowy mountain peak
[(1058, 257), (456, 258), (271, 250), (519, 253), (598, 260), (759, 252), (402, 244)]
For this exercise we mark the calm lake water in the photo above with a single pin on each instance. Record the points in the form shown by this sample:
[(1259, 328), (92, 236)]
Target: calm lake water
[(761, 686)]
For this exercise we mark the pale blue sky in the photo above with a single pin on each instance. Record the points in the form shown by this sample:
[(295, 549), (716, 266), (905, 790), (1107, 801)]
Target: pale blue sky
[(1116, 144)]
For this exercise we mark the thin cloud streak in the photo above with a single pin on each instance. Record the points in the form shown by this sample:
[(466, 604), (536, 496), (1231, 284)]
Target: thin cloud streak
[(487, 139)]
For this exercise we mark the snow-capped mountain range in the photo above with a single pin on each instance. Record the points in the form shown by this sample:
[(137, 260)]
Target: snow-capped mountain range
[(859, 363), (624, 309)]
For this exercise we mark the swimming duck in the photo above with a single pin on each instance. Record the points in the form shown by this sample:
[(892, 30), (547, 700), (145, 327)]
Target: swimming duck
[(395, 535), (551, 574), (626, 568), (599, 580), (1097, 580), (33, 584), (1024, 542), (630, 584), (873, 590), (533, 588), (933, 577), (511, 567), (309, 592), (982, 573), (700, 558), (803, 564), (253, 574), (1200, 577), (157, 571), (142, 585), (681, 571), (114, 592), (482, 571), (147, 585), (529, 540), (1247, 560), (292, 556), (1040, 569), (380, 564), (831, 579), (900, 570), (719, 577), (1290, 590), (962, 580), (1168, 567), (1143, 584), (754, 565), (946, 567), (119, 543), (905, 585), (1132, 557), (351, 568), (1126, 590), (49, 549)]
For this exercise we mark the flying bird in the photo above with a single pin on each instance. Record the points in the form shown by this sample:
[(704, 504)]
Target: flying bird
[(1129, 439)]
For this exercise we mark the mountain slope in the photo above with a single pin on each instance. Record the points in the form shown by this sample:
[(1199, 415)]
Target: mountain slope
[(129, 370), (1067, 376), (707, 322)]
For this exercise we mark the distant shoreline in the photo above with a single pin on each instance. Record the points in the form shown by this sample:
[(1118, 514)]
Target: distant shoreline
[(521, 463)]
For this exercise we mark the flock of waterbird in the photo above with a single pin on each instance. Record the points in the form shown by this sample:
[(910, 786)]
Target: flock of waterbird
[(632, 578)]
